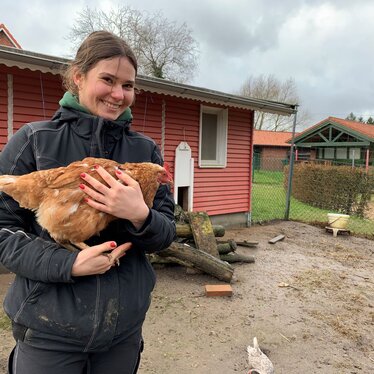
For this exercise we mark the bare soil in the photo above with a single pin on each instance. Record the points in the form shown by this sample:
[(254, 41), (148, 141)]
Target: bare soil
[(308, 299)]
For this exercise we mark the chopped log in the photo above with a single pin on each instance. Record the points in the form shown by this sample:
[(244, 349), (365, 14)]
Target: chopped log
[(224, 248), (276, 239), (231, 242), (202, 231), (156, 259), (237, 257), (247, 243), (200, 260), (184, 231)]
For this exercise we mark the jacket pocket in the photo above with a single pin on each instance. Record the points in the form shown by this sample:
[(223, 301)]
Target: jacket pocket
[(21, 293)]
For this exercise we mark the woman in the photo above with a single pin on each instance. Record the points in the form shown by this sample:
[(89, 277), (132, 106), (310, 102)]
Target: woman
[(76, 312)]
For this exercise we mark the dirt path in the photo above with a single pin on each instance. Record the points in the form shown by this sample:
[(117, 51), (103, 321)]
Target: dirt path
[(308, 299)]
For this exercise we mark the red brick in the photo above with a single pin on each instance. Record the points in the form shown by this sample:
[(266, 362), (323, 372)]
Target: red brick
[(218, 290)]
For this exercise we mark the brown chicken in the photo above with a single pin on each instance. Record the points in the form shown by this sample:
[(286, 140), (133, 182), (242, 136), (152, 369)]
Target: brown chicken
[(55, 197)]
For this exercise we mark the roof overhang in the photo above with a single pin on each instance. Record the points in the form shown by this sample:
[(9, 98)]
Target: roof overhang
[(22, 59), (362, 139)]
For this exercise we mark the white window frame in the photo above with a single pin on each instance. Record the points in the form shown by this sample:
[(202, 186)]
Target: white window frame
[(222, 125)]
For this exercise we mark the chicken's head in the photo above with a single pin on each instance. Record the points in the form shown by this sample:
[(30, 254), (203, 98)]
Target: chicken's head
[(164, 176)]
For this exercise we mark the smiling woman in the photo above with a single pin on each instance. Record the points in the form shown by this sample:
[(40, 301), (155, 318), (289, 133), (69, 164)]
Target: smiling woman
[(89, 311)]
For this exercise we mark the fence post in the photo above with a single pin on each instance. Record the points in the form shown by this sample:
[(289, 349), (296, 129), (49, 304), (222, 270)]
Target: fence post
[(290, 171)]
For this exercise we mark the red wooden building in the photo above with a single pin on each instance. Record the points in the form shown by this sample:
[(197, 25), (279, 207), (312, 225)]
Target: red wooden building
[(206, 136)]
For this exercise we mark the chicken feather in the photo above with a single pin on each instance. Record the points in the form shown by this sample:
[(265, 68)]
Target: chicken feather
[(55, 197)]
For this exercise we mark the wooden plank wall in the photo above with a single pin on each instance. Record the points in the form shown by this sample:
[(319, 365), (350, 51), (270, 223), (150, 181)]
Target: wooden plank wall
[(216, 190), (35, 98), (3, 108)]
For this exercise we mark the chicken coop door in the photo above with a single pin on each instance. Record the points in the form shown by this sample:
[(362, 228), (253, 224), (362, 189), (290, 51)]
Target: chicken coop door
[(183, 176)]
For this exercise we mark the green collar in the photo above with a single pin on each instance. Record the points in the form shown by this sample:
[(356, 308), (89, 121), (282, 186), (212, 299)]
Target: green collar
[(71, 101)]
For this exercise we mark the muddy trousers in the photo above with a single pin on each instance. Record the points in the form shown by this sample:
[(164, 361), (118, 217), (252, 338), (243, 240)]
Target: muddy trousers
[(120, 359)]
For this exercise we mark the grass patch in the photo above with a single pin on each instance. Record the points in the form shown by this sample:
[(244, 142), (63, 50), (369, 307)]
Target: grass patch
[(269, 203), (268, 177), (5, 323)]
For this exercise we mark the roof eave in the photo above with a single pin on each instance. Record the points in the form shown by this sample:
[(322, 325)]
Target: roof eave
[(45, 63)]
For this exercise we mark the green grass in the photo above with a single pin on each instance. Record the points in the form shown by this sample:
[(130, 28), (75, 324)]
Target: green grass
[(269, 203), (268, 177), (5, 324)]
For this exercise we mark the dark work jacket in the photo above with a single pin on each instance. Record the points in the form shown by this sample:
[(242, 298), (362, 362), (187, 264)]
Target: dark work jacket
[(49, 307)]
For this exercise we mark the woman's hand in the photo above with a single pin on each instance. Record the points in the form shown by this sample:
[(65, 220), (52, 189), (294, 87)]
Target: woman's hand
[(121, 197), (98, 259)]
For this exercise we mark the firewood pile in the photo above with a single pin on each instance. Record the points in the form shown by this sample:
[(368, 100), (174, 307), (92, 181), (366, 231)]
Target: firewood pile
[(197, 247)]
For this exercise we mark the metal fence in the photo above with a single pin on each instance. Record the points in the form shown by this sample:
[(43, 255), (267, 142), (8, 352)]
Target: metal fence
[(269, 197)]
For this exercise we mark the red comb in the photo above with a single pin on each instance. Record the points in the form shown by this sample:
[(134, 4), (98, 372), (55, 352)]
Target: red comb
[(167, 166)]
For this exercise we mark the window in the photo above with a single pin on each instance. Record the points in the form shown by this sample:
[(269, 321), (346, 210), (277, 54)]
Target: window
[(341, 153), (213, 137), (354, 153), (329, 153)]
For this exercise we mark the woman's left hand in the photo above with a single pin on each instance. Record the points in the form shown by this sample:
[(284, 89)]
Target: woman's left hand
[(120, 197)]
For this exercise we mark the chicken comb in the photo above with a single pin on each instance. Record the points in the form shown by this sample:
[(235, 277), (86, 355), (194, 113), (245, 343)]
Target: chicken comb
[(167, 168)]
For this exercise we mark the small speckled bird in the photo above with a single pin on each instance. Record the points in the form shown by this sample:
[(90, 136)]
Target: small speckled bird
[(258, 361), (54, 195)]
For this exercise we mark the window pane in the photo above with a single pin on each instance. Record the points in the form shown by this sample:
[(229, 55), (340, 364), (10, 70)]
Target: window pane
[(341, 153), (209, 137), (354, 153), (329, 153)]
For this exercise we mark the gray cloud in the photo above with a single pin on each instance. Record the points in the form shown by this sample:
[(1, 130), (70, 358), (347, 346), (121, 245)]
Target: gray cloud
[(324, 45)]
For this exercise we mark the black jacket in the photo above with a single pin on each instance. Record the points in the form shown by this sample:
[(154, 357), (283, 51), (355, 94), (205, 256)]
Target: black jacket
[(53, 309)]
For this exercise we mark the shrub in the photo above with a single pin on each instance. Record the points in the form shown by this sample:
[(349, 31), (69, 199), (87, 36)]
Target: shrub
[(340, 189)]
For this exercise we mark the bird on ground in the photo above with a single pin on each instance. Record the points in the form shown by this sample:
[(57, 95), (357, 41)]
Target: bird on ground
[(58, 202), (259, 363)]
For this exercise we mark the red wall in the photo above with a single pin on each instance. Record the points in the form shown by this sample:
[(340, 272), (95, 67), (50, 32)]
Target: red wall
[(3, 109), (35, 97), (216, 190)]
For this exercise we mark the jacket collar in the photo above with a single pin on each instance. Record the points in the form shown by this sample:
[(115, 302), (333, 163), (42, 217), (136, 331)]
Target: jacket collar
[(84, 124), (71, 101)]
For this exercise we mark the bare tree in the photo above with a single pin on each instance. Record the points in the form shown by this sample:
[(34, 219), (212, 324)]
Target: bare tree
[(270, 88), (163, 48)]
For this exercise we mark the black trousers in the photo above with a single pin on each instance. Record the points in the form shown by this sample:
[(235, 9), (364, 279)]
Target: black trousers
[(121, 359)]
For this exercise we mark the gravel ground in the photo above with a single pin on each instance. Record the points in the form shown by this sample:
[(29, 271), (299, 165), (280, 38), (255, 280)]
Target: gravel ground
[(308, 299)]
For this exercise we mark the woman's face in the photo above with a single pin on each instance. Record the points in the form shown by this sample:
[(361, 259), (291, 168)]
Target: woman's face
[(108, 88)]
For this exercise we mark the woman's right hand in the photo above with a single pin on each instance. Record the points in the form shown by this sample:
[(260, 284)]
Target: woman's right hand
[(98, 259)]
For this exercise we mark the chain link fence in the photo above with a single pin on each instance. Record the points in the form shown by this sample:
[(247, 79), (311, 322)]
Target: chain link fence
[(269, 198)]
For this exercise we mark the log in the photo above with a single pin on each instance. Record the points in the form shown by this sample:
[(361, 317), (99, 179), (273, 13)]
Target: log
[(231, 242), (224, 248), (184, 230), (247, 243), (237, 257), (200, 260), (202, 231)]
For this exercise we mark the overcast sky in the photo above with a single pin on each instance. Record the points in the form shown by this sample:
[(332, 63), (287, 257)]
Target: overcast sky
[(327, 47)]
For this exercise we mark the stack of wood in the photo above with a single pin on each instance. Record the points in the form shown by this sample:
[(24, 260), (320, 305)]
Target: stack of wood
[(197, 247)]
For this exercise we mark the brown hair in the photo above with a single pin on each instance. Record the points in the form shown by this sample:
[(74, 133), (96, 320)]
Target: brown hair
[(99, 45)]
